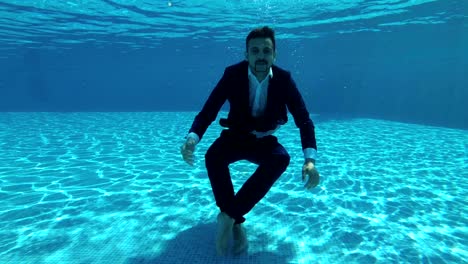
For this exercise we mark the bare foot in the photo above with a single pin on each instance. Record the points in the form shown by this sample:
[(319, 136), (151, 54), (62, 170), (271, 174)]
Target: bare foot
[(225, 225), (240, 239)]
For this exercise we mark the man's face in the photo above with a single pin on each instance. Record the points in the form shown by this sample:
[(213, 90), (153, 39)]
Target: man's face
[(260, 54)]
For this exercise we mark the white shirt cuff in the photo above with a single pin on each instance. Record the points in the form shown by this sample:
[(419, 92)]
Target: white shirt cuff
[(194, 136), (310, 153)]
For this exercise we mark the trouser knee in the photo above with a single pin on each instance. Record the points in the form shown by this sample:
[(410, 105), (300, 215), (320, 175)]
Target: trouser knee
[(280, 162), (214, 157), (284, 160)]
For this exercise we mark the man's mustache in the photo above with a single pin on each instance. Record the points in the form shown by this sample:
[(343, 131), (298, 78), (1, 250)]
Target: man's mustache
[(261, 61)]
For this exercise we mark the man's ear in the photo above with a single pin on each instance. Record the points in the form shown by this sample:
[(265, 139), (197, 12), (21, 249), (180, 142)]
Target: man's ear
[(246, 54)]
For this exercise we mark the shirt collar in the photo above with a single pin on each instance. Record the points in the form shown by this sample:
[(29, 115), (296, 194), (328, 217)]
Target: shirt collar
[(270, 73)]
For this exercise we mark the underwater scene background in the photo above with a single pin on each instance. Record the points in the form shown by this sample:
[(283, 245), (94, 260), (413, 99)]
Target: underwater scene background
[(96, 98)]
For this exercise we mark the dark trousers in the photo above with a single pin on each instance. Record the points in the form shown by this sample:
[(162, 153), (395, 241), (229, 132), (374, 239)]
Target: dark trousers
[(230, 147)]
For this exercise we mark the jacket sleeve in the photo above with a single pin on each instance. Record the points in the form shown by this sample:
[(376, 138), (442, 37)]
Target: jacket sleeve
[(298, 110), (211, 107)]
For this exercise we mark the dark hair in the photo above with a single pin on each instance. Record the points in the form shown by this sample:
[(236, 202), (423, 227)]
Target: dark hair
[(261, 32)]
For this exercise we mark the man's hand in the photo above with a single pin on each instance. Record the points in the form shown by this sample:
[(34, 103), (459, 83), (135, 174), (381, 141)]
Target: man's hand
[(309, 170), (187, 150)]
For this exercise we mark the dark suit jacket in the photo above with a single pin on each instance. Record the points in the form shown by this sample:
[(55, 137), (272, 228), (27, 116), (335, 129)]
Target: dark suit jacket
[(282, 95)]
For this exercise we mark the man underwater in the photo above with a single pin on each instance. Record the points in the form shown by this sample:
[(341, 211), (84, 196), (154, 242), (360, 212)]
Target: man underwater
[(259, 94)]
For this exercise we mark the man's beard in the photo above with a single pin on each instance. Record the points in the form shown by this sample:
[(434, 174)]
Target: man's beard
[(261, 66)]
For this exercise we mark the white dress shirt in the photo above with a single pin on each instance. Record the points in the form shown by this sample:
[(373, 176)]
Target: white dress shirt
[(258, 97), (258, 92)]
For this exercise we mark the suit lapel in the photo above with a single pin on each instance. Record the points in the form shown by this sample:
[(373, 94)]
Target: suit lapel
[(245, 86), (272, 94)]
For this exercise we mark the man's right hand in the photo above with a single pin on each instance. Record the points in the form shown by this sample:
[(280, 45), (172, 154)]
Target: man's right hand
[(187, 150)]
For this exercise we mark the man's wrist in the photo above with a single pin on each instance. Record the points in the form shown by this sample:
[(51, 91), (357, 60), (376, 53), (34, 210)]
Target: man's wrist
[(193, 137), (310, 153)]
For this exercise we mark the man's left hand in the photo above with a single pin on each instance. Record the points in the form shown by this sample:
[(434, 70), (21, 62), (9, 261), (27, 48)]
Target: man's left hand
[(313, 175)]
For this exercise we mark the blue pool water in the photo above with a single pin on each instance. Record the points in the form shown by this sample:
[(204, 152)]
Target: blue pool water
[(113, 188), (96, 98)]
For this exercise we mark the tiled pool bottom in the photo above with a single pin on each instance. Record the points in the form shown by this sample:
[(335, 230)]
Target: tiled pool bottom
[(112, 188)]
